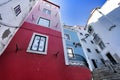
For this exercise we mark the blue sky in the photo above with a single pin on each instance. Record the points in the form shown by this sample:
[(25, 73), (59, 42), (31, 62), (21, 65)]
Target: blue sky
[(76, 12)]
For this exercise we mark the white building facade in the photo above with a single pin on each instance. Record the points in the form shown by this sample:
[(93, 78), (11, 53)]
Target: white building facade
[(104, 28), (91, 51), (12, 14)]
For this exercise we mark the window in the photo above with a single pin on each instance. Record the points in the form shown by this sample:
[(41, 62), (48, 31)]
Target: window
[(88, 50), (96, 39), (67, 36), (17, 10), (0, 17), (101, 45), (94, 63), (81, 34), (38, 44), (70, 52), (90, 29), (110, 57), (43, 22), (92, 42), (102, 60), (97, 51), (46, 11)]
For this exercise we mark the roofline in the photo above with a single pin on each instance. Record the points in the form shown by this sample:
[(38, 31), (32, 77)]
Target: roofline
[(92, 12), (52, 3)]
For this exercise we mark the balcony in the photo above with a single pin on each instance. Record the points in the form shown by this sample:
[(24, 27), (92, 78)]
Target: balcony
[(78, 60)]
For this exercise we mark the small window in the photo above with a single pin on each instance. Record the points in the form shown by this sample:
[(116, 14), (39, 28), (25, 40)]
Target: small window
[(38, 44), (44, 22), (88, 50), (81, 34), (46, 11), (97, 51), (70, 52), (17, 10), (67, 36), (0, 17), (92, 42), (96, 39), (90, 29), (94, 63), (101, 45)]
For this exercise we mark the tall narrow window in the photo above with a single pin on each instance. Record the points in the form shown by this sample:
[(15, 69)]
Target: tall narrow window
[(43, 22), (0, 17), (90, 29), (46, 11), (110, 57), (101, 45), (96, 39), (92, 42), (38, 44), (70, 52), (94, 63), (17, 10)]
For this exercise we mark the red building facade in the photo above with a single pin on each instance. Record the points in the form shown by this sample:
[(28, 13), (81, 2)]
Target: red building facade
[(36, 51)]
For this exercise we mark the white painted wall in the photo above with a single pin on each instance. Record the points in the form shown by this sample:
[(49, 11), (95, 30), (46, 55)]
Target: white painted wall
[(101, 24), (90, 55), (10, 20)]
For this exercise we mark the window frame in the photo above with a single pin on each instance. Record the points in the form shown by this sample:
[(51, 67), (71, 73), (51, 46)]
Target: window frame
[(46, 11), (96, 39), (17, 8), (97, 51), (43, 19), (68, 36), (70, 53), (101, 45), (31, 43), (88, 50)]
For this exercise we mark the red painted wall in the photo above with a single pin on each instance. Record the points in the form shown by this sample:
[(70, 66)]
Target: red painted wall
[(22, 65)]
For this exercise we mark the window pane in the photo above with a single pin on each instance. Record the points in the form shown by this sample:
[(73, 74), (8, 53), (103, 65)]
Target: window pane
[(35, 43), (42, 44), (46, 11), (70, 52), (38, 44), (44, 22)]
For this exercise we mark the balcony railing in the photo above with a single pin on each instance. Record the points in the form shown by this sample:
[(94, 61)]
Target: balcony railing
[(78, 60)]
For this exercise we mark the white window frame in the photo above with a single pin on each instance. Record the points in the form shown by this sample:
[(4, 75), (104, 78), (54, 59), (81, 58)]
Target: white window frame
[(31, 42), (43, 24), (72, 52)]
